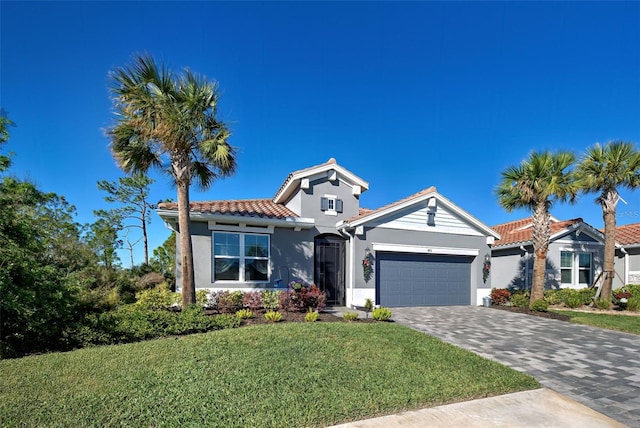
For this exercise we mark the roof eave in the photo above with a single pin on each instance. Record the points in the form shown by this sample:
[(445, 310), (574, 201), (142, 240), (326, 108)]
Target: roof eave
[(287, 222)]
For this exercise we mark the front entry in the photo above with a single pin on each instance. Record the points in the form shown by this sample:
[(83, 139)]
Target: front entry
[(329, 267)]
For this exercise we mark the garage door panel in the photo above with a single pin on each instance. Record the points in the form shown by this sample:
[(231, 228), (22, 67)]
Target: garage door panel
[(423, 280)]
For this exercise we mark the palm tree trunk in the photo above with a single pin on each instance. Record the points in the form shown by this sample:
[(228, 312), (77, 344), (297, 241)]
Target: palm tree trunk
[(186, 249), (609, 216), (541, 235)]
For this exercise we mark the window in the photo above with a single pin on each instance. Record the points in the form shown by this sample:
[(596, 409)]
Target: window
[(240, 257), (575, 265), (331, 205)]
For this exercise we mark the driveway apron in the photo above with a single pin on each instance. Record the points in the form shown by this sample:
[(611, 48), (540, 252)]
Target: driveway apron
[(596, 367)]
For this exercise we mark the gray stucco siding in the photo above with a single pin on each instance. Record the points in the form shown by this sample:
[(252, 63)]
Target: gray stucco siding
[(310, 202)]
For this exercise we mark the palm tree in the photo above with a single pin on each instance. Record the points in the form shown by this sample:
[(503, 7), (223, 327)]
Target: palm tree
[(170, 122), (604, 169), (539, 181)]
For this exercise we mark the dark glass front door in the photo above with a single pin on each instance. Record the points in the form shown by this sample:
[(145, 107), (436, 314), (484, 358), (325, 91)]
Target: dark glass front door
[(329, 267)]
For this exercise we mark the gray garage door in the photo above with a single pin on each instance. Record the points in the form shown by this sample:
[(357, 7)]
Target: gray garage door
[(423, 280)]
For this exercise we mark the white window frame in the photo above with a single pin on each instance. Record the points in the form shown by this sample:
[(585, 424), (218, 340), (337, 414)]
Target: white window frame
[(575, 267), (242, 257), (331, 205)]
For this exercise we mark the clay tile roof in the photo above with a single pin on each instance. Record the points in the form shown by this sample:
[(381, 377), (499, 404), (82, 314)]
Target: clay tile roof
[(521, 231), (628, 234), (248, 207), (367, 212)]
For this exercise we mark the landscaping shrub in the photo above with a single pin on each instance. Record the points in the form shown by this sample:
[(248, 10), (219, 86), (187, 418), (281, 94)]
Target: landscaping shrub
[(553, 297), (602, 304), (273, 316), (202, 297), (302, 299), (226, 321), (381, 314), (156, 298), (519, 300), (500, 296), (350, 316), (633, 304), (244, 314), (540, 305), (311, 316), (572, 300), (270, 299), (192, 319), (228, 302), (587, 295), (252, 300)]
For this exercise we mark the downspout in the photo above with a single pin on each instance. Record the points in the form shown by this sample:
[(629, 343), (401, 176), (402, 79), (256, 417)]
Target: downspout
[(626, 266)]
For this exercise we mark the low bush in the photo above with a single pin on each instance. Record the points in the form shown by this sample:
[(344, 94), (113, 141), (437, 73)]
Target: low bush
[(500, 296), (252, 300), (519, 300), (303, 298), (273, 316), (553, 297), (202, 298), (633, 304), (587, 295), (270, 299), (540, 305), (311, 316), (381, 314), (244, 314), (156, 298), (226, 321), (350, 316), (228, 302), (602, 304), (572, 300)]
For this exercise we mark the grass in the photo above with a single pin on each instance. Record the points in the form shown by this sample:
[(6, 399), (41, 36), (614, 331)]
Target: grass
[(292, 374), (626, 323)]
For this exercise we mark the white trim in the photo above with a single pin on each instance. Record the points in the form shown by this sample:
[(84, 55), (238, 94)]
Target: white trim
[(293, 180), (241, 258), (420, 249), (212, 225)]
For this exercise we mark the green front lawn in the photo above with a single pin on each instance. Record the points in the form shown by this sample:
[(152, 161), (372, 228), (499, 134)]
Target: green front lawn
[(292, 374), (627, 323)]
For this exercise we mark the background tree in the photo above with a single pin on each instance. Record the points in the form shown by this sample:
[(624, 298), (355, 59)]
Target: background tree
[(539, 181), (133, 193), (170, 122), (164, 259), (102, 237), (605, 169)]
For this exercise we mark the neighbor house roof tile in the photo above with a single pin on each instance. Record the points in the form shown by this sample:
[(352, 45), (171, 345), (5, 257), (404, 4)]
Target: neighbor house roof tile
[(249, 207), (628, 234), (521, 231)]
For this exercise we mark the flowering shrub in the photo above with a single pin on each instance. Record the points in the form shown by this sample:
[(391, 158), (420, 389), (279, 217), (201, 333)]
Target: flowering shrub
[(270, 299), (252, 300), (228, 302), (500, 296), (302, 298)]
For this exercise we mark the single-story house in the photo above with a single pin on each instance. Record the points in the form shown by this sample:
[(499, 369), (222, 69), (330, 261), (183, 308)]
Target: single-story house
[(422, 250), (574, 258), (628, 236)]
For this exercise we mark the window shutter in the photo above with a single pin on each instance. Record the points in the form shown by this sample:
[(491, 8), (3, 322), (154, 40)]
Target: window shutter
[(324, 204), (339, 205)]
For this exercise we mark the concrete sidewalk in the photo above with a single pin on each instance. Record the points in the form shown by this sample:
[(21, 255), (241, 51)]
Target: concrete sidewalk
[(536, 408)]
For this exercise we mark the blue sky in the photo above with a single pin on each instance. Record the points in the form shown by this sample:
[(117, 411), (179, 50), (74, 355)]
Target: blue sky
[(405, 94)]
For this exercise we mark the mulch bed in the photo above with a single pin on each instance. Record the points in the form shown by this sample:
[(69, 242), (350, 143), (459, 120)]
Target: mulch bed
[(527, 311)]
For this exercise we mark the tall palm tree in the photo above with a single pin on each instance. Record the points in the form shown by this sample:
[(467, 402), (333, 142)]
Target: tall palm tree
[(170, 122), (605, 169), (539, 181)]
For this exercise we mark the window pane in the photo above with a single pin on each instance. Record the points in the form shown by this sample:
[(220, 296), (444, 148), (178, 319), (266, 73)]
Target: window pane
[(566, 259), (227, 270), (584, 260), (256, 246), (256, 270), (565, 276), (585, 276), (226, 244), (332, 203)]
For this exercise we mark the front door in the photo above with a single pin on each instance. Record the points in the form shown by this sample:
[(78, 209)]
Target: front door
[(329, 267)]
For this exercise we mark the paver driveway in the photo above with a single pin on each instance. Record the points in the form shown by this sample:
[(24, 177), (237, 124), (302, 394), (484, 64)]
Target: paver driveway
[(596, 367)]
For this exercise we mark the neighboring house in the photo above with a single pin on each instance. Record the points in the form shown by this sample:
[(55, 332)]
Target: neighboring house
[(424, 249), (628, 236), (574, 258)]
